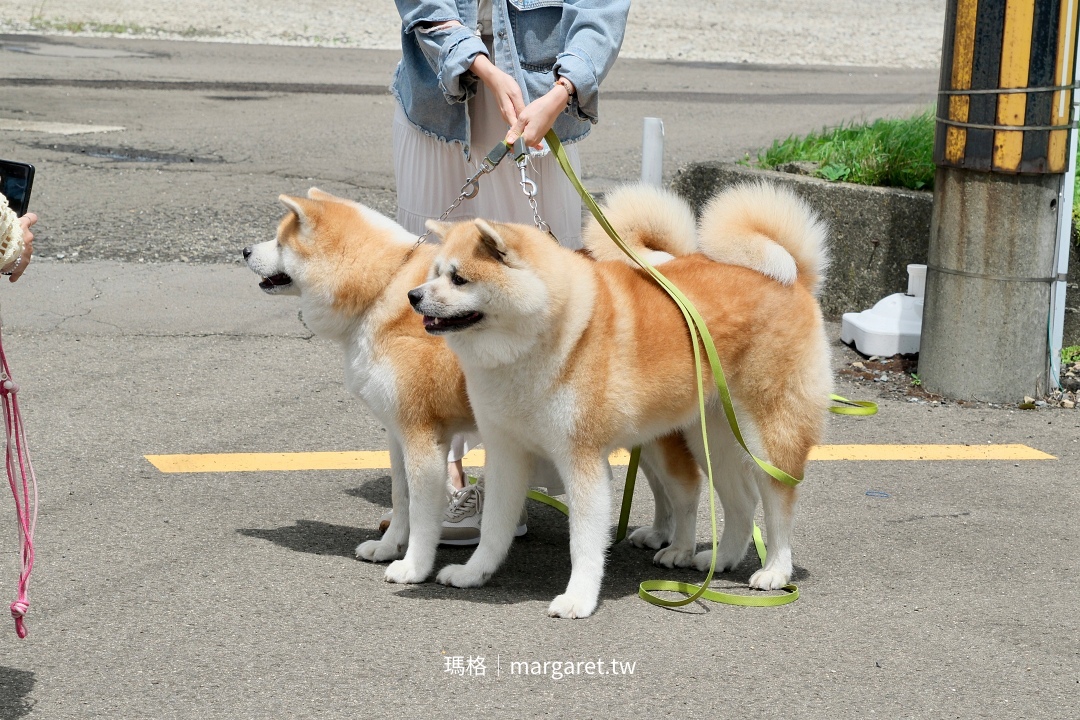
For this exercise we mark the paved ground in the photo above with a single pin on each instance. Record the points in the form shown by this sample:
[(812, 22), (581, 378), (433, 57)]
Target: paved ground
[(947, 591), (805, 32)]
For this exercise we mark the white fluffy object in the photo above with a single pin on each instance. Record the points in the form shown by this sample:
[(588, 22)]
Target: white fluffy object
[(11, 234)]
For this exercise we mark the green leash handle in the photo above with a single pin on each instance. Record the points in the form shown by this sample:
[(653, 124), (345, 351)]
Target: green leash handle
[(852, 407), (791, 593)]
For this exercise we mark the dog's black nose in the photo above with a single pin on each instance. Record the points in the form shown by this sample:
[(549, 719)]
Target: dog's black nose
[(415, 296), (247, 252)]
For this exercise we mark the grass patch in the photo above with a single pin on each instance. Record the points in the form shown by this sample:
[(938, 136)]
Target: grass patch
[(887, 152), (1070, 355)]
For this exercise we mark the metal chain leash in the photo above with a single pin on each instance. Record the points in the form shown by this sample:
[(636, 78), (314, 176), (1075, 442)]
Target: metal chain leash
[(472, 185), (521, 159)]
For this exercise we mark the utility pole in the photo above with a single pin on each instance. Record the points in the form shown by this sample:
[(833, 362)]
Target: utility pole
[(1001, 150)]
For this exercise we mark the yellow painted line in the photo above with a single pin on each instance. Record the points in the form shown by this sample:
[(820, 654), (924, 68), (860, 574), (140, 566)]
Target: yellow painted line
[(380, 459), (927, 452)]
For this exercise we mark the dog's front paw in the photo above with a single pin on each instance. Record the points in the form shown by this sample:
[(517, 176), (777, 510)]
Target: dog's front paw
[(379, 551), (673, 557), (461, 576), (765, 579), (704, 558), (571, 606), (404, 571), (648, 537)]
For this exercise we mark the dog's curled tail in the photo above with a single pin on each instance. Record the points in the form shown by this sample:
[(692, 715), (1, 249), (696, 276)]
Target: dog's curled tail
[(654, 222), (769, 229)]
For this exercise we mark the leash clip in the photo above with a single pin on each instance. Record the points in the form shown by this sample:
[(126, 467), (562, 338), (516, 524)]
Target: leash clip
[(528, 186), (471, 188)]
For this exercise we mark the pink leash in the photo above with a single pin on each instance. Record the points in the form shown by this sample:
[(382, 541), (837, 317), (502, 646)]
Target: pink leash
[(19, 466)]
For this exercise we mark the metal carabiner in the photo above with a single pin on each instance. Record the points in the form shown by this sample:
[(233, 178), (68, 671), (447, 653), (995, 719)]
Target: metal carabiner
[(472, 186)]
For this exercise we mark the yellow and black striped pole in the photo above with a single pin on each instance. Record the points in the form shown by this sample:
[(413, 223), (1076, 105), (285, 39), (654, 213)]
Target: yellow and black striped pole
[(1004, 119), (1005, 65)]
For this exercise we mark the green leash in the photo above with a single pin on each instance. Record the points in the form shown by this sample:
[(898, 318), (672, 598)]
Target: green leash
[(852, 407)]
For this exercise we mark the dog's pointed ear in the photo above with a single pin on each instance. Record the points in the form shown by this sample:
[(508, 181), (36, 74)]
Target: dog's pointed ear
[(492, 241), (301, 208), (438, 229), (315, 193)]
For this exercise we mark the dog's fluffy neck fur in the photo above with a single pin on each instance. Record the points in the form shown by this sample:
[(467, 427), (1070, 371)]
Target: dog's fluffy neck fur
[(337, 312)]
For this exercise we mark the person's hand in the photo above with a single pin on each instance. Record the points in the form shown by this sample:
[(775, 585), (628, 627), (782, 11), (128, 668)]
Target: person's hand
[(20, 263), (538, 116), (502, 86)]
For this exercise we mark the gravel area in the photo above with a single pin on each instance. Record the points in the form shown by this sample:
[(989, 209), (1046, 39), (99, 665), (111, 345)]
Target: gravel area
[(897, 378), (906, 33)]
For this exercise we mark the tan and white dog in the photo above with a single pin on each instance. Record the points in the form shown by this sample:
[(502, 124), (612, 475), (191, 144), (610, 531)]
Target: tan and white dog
[(352, 269), (566, 358)]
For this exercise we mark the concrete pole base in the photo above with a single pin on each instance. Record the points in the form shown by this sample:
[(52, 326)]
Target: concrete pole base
[(991, 259)]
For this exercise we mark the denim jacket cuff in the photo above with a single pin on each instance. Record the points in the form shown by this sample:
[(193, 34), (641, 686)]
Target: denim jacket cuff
[(458, 53), (578, 69)]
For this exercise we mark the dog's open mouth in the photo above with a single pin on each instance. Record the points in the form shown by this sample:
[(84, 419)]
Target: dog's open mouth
[(275, 281), (436, 325)]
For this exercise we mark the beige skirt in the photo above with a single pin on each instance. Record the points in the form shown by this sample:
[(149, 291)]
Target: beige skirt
[(430, 174)]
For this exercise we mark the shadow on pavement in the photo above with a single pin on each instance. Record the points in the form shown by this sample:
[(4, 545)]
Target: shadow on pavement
[(537, 568), (312, 536), (15, 688), (376, 491)]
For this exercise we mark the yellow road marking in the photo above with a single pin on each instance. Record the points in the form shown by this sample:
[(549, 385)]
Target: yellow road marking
[(380, 459), (927, 452)]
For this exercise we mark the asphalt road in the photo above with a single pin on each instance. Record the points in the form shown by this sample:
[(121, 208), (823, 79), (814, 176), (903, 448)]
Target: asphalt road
[(947, 591)]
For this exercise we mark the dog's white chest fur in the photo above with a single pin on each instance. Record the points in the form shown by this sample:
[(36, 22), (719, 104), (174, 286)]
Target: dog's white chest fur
[(370, 377), (525, 401)]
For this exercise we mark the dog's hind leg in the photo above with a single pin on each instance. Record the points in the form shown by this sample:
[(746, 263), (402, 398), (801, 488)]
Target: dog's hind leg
[(506, 471), (588, 484), (678, 480), (778, 501), (733, 477), (662, 530), (787, 443), (394, 541), (425, 463)]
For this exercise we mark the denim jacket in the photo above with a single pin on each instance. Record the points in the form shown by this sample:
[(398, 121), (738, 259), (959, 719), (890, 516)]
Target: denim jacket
[(534, 41)]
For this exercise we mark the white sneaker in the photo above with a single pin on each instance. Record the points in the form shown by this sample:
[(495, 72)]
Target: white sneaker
[(461, 522)]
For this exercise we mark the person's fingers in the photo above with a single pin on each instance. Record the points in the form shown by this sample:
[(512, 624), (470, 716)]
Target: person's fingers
[(27, 220), (27, 253), (515, 130)]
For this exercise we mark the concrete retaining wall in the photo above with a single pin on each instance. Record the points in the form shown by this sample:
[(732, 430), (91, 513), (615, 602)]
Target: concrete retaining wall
[(875, 233)]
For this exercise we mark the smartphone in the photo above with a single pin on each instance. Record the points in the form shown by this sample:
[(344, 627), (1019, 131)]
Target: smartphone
[(16, 179)]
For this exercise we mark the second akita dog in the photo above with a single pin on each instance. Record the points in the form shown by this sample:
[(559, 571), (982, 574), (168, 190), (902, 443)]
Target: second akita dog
[(567, 358), (352, 269)]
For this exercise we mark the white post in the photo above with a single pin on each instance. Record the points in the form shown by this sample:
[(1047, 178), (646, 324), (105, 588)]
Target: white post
[(652, 152), (1061, 266)]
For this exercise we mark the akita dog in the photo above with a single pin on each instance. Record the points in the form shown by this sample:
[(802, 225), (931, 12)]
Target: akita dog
[(566, 358), (352, 268)]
